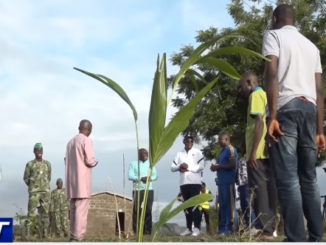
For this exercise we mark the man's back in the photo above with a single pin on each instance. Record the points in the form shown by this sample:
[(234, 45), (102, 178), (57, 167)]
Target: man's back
[(79, 162), (299, 60)]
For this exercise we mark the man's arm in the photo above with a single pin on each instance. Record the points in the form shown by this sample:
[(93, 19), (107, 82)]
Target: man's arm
[(131, 175), (232, 161), (271, 51), (200, 164), (175, 166), (154, 174), (51, 203), (49, 172), (257, 111), (27, 174), (90, 160), (320, 97)]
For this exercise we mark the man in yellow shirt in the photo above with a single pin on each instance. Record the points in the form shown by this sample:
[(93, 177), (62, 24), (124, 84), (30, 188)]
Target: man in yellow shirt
[(204, 208), (260, 173)]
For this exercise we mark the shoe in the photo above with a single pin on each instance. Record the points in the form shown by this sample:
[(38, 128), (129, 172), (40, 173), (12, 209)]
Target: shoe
[(186, 233), (223, 233), (275, 233), (195, 232), (251, 232)]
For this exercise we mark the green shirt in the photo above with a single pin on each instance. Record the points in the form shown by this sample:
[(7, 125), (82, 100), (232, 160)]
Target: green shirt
[(257, 106)]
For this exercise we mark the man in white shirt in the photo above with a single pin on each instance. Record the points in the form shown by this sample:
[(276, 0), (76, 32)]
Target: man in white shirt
[(190, 163), (293, 81)]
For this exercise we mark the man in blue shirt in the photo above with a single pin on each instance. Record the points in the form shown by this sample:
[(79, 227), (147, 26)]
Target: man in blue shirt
[(144, 166), (226, 170)]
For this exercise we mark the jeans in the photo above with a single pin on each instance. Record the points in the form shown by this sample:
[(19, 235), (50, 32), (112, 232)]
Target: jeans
[(245, 206), (294, 159)]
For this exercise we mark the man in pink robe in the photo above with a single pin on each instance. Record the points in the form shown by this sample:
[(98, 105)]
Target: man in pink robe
[(79, 162)]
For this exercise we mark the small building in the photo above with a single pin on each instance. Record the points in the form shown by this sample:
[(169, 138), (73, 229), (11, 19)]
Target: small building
[(106, 209)]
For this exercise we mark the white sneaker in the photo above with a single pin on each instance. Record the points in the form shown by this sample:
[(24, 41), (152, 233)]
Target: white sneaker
[(251, 232), (186, 233), (275, 233), (195, 232)]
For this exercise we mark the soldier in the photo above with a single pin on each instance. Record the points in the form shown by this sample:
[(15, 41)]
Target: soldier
[(37, 177), (59, 209)]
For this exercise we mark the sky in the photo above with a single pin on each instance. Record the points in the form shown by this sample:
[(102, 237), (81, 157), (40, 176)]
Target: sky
[(43, 99)]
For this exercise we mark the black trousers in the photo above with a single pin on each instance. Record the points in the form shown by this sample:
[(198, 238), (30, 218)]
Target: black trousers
[(148, 213), (187, 192), (205, 212), (262, 182)]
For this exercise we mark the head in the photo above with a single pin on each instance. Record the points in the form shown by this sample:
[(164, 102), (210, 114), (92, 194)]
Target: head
[(59, 183), (143, 155), (85, 127), (247, 84), (224, 139), (283, 15), (203, 187), (188, 141), (243, 147), (38, 151)]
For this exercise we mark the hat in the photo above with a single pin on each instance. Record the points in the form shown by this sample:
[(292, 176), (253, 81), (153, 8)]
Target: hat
[(59, 181), (38, 146)]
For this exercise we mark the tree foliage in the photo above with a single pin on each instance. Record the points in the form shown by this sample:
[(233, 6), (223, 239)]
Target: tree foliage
[(222, 109)]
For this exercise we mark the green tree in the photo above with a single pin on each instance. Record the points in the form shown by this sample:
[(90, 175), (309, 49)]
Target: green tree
[(222, 109)]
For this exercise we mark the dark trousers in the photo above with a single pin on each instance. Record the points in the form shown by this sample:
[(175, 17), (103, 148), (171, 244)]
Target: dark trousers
[(226, 200), (246, 206), (187, 192), (148, 213), (205, 212), (262, 182), (294, 159)]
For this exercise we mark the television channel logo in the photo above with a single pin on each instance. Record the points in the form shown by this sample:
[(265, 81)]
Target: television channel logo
[(6, 230)]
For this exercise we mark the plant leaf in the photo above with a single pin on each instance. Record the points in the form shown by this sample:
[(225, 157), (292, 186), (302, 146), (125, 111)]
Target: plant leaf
[(164, 213), (193, 79), (168, 227), (232, 50), (223, 66), (192, 202), (157, 112), (195, 73), (114, 86), (179, 122)]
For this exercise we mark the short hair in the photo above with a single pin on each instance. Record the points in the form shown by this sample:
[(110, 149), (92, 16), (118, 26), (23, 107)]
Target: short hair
[(224, 134), (203, 183), (284, 12)]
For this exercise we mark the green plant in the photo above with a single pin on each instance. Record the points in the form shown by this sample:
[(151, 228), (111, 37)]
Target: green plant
[(161, 138)]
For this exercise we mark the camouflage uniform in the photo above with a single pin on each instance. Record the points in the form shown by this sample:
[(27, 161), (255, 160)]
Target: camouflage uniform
[(59, 206), (37, 177)]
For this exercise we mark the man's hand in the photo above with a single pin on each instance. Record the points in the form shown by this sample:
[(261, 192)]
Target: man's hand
[(214, 168), (274, 130), (253, 161), (320, 142), (182, 170), (184, 166), (144, 179)]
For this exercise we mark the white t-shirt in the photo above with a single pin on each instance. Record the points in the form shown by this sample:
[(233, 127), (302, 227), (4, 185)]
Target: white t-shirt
[(195, 160), (299, 60)]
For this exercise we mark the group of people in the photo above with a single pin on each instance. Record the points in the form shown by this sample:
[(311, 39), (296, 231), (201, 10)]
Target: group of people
[(284, 136), (62, 204)]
